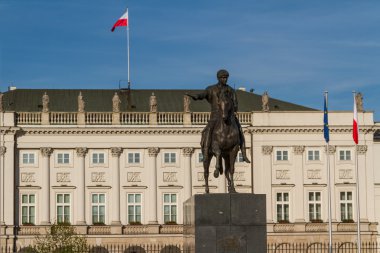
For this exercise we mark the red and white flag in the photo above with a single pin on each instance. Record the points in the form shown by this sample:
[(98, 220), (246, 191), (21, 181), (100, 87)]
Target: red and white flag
[(355, 125), (122, 21)]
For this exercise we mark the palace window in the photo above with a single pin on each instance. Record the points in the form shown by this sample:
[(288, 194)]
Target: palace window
[(313, 155), (282, 155), (345, 155), (200, 157), (346, 206), (134, 207), (170, 158), (28, 209), (98, 158), (239, 158), (28, 158), (134, 158), (63, 158), (170, 207), (63, 206), (315, 206), (282, 206), (98, 208)]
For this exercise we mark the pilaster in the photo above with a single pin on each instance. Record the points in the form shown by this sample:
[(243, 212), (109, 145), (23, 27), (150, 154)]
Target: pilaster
[(81, 187), (299, 210), (187, 152), (364, 181), (266, 179), (45, 212), (2, 181), (116, 152), (152, 189)]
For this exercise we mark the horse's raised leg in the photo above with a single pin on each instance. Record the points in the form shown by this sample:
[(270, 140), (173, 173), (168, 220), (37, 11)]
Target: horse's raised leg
[(206, 166), (218, 165)]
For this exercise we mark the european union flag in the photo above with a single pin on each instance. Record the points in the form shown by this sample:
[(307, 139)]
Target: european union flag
[(326, 121)]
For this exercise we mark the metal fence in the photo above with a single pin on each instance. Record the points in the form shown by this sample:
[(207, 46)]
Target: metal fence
[(345, 247)]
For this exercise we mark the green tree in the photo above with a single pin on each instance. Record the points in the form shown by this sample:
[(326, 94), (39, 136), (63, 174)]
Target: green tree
[(61, 238)]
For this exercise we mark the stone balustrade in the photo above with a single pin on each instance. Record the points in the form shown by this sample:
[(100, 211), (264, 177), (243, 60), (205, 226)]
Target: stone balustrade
[(123, 118), (63, 118), (99, 230), (134, 118), (272, 228), (29, 118)]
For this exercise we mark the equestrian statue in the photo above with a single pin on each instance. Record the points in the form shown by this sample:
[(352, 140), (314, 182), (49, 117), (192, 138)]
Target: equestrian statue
[(223, 135)]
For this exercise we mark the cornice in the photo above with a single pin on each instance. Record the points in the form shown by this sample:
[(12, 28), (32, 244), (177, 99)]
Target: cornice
[(109, 131), (175, 130), (9, 130), (311, 130)]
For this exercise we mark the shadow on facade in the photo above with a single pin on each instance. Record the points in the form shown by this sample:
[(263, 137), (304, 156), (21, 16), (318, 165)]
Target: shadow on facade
[(98, 249), (134, 249), (170, 249), (27, 250)]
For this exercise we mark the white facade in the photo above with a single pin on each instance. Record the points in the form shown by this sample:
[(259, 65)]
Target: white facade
[(122, 174)]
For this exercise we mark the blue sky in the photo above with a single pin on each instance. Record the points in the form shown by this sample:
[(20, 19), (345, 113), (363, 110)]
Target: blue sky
[(293, 49)]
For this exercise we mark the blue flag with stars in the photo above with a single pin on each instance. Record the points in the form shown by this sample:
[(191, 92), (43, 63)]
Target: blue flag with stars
[(326, 121)]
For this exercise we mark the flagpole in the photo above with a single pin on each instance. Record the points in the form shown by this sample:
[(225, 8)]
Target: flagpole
[(328, 176), (129, 80), (357, 178)]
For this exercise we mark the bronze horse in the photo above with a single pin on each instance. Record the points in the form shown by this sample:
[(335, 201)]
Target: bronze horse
[(225, 142)]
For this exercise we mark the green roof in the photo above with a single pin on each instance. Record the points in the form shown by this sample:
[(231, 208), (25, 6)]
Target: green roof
[(66, 100)]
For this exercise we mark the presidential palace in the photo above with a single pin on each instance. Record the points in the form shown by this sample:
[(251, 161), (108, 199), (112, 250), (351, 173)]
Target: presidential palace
[(118, 165)]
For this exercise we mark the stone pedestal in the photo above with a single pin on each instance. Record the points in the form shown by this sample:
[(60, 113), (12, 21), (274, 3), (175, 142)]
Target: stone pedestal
[(215, 223)]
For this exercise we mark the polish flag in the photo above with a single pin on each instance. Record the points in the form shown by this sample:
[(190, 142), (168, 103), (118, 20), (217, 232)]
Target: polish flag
[(355, 125), (123, 21)]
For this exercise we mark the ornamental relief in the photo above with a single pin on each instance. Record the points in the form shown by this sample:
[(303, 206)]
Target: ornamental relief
[(345, 174), (28, 177), (153, 151), (98, 177), (282, 174), (187, 151), (332, 150), (361, 149), (63, 177), (298, 150), (267, 150), (239, 176), (201, 177), (314, 174), (170, 176), (134, 176), (3, 150)]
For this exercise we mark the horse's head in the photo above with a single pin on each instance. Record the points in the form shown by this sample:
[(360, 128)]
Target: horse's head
[(225, 106)]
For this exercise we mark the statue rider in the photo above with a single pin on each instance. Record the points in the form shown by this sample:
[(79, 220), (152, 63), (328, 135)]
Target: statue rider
[(211, 93)]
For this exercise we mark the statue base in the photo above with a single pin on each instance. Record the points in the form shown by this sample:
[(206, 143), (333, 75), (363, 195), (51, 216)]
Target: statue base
[(215, 223)]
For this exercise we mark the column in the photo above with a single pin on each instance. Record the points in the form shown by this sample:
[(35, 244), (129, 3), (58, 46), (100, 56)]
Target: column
[(81, 187), (45, 212), (299, 210), (365, 182), (264, 179), (9, 187), (330, 154), (116, 152), (2, 181), (187, 152), (152, 190)]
